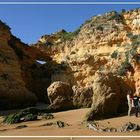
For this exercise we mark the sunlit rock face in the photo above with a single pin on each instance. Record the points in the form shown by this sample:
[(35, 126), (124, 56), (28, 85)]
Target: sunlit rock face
[(106, 43), (109, 98), (102, 43)]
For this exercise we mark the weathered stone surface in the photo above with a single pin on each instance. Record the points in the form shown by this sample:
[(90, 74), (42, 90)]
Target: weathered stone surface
[(13, 93), (82, 97), (58, 124), (62, 95), (61, 124), (96, 127), (102, 43), (59, 94), (129, 127), (109, 97)]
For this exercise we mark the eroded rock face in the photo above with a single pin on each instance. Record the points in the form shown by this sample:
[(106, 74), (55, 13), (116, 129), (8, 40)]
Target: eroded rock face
[(59, 94), (93, 47), (103, 44), (23, 81), (109, 97), (82, 97), (62, 95), (13, 93)]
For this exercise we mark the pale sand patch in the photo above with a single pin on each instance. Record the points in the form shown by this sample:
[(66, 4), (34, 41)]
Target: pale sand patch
[(72, 117)]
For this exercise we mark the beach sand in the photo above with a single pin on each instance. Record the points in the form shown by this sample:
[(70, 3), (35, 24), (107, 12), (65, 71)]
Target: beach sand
[(74, 119)]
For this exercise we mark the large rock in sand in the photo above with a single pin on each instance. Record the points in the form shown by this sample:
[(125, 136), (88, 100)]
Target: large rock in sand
[(59, 94), (109, 97)]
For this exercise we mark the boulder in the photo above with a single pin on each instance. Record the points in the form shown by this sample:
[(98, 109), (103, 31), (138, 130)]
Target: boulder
[(61, 124), (82, 97), (96, 127), (129, 127), (58, 124), (109, 97), (59, 94)]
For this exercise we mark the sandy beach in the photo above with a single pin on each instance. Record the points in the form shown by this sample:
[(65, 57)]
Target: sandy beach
[(74, 119)]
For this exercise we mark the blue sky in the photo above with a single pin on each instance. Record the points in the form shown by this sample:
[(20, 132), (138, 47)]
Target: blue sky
[(30, 22)]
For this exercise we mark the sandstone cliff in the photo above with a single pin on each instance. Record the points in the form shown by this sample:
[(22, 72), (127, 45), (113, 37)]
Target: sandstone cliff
[(23, 81), (13, 93), (103, 43), (107, 44)]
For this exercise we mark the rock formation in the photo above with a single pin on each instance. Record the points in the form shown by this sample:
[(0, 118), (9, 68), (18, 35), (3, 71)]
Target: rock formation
[(107, 45), (104, 44), (82, 97), (60, 94), (109, 97), (13, 93)]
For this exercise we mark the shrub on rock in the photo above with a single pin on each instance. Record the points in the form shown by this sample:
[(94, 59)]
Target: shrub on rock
[(12, 118), (28, 114)]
